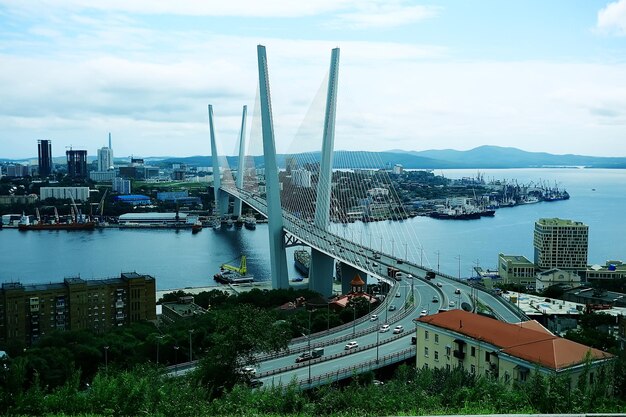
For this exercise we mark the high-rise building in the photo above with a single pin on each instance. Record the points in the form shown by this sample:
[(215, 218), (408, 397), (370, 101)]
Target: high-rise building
[(561, 244), (105, 157), (76, 163), (45, 157), (28, 312), (122, 186)]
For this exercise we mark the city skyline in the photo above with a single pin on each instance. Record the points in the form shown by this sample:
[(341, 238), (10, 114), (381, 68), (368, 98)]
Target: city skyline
[(413, 75)]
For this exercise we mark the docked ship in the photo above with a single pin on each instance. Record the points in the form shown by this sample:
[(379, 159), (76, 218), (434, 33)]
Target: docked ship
[(230, 274), (457, 213), (302, 261), (75, 222)]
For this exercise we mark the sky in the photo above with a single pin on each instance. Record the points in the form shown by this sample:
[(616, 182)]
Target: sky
[(542, 76)]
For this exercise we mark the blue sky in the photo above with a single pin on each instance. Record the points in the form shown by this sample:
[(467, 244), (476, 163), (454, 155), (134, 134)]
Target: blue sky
[(537, 75)]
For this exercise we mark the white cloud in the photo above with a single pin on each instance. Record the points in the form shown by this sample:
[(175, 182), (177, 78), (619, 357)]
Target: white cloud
[(612, 19), (379, 15)]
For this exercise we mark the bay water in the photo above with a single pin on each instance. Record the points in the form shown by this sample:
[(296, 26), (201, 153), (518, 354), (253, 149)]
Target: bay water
[(179, 259)]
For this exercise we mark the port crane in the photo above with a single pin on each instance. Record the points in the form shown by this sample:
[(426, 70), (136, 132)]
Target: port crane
[(241, 270)]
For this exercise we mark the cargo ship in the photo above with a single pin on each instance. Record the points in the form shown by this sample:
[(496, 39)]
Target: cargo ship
[(57, 226), (302, 261)]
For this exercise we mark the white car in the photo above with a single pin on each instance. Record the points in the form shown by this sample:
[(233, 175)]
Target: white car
[(409, 276), (439, 284), (451, 303), (398, 329), (351, 345), (398, 294), (374, 317), (457, 291), (424, 313), (374, 264), (384, 328)]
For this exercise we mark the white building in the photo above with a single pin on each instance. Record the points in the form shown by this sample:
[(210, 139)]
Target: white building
[(105, 159), (63, 193), (102, 176), (122, 186), (398, 169), (556, 276)]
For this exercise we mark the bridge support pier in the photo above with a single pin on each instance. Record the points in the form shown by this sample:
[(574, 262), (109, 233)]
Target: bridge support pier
[(348, 273), (323, 269)]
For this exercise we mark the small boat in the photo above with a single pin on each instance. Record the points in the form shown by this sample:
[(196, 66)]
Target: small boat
[(197, 227)]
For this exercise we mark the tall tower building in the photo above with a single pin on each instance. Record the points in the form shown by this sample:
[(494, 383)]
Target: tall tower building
[(45, 157), (561, 244), (76, 163), (105, 157)]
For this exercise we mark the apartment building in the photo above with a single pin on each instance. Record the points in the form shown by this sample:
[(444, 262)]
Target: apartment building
[(504, 351), (560, 243), (28, 312)]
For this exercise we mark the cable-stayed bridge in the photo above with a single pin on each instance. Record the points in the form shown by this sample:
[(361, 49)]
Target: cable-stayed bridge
[(311, 203)]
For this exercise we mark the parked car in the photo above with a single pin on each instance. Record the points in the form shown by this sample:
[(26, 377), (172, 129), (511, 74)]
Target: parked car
[(351, 345), (398, 329), (374, 317), (384, 328)]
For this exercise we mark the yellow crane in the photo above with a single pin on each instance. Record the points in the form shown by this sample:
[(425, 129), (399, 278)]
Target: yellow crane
[(241, 270)]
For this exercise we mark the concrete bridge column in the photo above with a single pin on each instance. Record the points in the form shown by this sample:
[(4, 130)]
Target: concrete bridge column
[(348, 272), (322, 265), (278, 258), (241, 166)]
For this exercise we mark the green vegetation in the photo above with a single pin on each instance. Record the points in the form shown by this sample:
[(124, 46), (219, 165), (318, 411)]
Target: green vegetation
[(81, 373)]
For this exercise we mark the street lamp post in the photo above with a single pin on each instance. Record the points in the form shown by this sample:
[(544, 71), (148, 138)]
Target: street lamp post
[(176, 360), (190, 348), (106, 359), (392, 248), (406, 252), (437, 260), (309, 346), (377, 340), (353, 319), (459, 259), (158, 345)]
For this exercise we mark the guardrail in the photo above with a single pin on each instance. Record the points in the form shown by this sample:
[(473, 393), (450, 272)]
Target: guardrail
[(300, 349), (330, 357), (350, 371)]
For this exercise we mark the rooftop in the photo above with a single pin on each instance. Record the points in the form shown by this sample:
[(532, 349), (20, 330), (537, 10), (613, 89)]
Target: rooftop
[(516, 258), (559, 222), (527, 343)]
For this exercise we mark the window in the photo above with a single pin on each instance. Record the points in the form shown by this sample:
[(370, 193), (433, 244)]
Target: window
[(436, 338), (507, 377), (473, 369), (425, 366), (590, 376), (473, 351), (448, 350), (426, 351), (486, 356), (426, 334), (436, 355)]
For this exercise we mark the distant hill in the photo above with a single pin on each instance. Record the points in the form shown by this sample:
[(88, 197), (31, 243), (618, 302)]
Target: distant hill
[(481, 157)]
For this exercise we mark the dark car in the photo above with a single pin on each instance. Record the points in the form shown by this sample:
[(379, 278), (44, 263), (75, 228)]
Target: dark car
[(306, 356)]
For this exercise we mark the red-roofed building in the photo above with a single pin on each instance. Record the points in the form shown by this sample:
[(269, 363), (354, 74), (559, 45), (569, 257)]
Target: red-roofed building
[(357, 286), (509, 352)]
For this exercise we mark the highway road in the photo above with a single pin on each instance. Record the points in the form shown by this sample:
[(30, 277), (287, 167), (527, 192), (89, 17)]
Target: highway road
[(411, 295)]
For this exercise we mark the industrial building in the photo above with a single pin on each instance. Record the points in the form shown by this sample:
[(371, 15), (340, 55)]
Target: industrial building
[(28, 312), (503, 351), (184, 308), (155, 218), (516, 269), (64, 193)]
